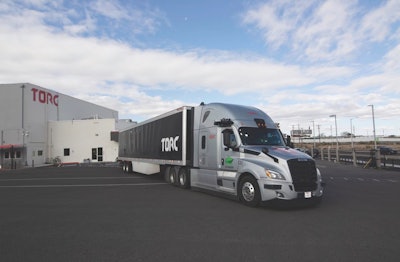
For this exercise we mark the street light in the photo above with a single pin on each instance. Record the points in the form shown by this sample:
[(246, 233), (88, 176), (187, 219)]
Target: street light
[(337, 142), (352, 145), (313, 132), (373, 122), (351, 133)]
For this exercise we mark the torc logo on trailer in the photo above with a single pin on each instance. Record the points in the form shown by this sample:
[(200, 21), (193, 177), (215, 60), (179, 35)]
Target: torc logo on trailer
[(168, 144), (44, 97)]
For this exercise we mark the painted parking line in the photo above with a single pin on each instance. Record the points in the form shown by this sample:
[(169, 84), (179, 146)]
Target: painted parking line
[(350, 179), (65, 178), (84, 185)]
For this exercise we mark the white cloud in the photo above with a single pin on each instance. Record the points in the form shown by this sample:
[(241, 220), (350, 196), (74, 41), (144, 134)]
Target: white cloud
[(376, 25), (97, 60), (64, 52), (323, 30), (392, 60), (111, 9), (319, 30), (125, 14)]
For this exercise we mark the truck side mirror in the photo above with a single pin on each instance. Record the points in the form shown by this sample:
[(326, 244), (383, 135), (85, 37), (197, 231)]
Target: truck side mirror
[(289, 142)]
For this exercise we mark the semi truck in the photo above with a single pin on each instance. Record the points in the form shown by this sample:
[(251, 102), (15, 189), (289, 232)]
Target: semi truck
[(233, 149)]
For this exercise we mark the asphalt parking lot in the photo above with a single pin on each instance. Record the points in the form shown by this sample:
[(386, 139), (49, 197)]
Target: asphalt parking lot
[(102, 214)]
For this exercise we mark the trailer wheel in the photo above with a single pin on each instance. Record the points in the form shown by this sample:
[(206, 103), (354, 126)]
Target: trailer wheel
[(130, 167), (172, 175), (249, 192), (127, 167), (183, 178), (166, 174)]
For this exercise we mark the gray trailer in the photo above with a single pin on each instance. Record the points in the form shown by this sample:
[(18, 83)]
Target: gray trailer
[(233, 149)]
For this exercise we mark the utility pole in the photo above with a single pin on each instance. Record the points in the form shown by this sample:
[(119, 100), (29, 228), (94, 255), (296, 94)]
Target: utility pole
[(352, 144), (373, 122), (337, 141)]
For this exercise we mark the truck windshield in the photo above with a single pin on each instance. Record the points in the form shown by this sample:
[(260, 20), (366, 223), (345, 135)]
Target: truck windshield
[(261, 136)]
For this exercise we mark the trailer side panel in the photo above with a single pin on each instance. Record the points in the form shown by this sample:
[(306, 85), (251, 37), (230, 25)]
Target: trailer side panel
[(162, 140)]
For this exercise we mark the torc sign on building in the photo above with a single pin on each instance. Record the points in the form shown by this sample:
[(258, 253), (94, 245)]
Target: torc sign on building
[(44, 97)]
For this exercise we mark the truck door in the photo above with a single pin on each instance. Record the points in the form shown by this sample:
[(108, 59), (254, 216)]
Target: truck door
[(228, 161), (229, 151), (208, 162)]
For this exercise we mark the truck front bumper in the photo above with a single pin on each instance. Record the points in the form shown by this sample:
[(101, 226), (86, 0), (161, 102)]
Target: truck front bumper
[(285, 190)]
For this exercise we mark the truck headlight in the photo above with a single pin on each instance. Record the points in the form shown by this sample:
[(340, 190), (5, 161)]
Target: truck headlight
[(274, 175)]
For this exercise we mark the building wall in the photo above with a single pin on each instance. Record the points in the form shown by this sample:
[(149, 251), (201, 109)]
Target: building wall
[(25, 110), (75, 140)]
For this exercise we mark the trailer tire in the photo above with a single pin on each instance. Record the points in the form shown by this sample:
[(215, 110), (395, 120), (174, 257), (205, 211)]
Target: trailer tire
[(249, 192), (128, 167), (183, 178), (166, 174), (172, 177)]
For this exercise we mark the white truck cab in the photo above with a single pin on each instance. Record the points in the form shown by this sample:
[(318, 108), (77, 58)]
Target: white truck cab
[(242, 152)]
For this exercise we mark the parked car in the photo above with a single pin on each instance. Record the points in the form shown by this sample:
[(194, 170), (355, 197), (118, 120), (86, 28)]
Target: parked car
[(385, 150)]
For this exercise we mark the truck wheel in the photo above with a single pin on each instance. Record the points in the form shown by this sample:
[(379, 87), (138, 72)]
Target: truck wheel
[(249, 192), (183, 178)]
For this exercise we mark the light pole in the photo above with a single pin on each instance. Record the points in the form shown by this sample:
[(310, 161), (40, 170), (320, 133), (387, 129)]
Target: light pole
[(377, 152), (337, 142), (313, 130), (351, 133), (352, 145), (373, 122)]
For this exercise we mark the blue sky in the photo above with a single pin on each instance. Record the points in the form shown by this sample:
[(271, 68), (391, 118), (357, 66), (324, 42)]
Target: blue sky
[(299, 61)]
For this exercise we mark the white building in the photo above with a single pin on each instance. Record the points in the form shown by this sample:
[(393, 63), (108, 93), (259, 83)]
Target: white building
[(82, 140), (38, 124)]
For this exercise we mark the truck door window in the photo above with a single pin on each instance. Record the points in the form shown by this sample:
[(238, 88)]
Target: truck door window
[(229, 138)]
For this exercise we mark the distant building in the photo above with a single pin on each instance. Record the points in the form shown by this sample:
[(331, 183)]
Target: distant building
[(39, 124)]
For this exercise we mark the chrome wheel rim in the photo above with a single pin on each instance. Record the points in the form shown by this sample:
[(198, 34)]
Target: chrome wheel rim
[(248, 191)]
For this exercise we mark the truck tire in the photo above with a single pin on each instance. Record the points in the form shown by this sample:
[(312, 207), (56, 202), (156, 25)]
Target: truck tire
[(183, 178), (249, 192)]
